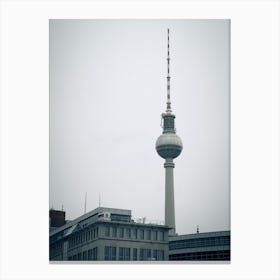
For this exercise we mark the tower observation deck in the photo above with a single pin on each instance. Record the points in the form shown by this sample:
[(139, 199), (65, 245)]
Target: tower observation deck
[(169, 146)]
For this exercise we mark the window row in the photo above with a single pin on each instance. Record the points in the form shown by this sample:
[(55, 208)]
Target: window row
[(82, 237), (148, 254), (89, 255), (134, 233), (200, 242), (127, 254), (213, 255)]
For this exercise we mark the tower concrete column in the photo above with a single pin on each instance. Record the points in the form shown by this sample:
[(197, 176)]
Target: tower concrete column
[(169, 195)]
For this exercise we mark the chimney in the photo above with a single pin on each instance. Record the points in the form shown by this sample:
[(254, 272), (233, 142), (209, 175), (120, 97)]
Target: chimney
[(57, 218)]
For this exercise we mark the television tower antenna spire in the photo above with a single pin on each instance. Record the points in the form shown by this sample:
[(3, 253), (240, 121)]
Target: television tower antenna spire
[(168, 103)]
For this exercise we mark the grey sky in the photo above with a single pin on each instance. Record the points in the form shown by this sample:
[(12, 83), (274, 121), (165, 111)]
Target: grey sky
[(107, 92)]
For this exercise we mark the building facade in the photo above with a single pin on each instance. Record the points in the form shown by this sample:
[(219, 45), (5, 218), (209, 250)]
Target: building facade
[(207, 246), (108, 234)]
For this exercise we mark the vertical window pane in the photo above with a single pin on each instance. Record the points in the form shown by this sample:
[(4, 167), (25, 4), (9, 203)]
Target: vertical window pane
[(141, 234), (121, 254), (127, 254), (114, 253), (128, 232), (107, 231), (121, 232), (134, 254)]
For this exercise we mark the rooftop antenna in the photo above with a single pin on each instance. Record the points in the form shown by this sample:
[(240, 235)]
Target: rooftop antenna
[(197, 229), (62, 207), (99, 200), (168, 107), (85, 203)]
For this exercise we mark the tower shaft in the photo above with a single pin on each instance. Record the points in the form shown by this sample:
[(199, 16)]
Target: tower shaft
[(169, 195)]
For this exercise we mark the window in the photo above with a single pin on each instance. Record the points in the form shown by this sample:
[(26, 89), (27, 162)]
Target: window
[(124, 254), (95, 253), (85, 255), (148, 234), (155, 235), (160, 255), (145, 254), (107, 231), (128, 232), (121, 254), (127, 254), (90, 254), (96, 233), (134, 254), (110, 253), (114, 233), (161, 235), (141, 255), (149, 254), (134, 233), (141, 234), (121, 232), (155, 255)]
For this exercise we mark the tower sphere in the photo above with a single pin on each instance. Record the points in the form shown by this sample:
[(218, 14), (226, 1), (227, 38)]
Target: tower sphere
[(169, 145)]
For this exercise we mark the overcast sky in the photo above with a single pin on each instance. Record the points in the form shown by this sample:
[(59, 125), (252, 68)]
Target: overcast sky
[(107, 93)]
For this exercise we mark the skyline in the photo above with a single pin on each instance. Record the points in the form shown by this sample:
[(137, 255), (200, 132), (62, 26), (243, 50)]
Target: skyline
[(113, 63)]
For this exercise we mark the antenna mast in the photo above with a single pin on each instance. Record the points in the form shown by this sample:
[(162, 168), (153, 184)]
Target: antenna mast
[(85, 203), (168, 107)]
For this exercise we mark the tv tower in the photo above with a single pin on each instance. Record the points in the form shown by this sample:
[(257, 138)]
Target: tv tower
[(169, 146)]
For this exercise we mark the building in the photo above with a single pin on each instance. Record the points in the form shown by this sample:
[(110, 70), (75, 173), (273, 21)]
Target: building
[(108, 234), (214, 246), (169, 146)]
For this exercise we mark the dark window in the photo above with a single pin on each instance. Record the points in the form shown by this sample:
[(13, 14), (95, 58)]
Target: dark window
[(141, 234), (155, 235), (134, 254), (107, 231), (161, 235), (148, 234), (160, 255), (124, 254), (90, 254), (121, 232), (128, 232), (85, 255), (95, 253), (109, 253), (114, 253), (121, 254), (134, 233), (141, 257), (114, 233), (127, 254)]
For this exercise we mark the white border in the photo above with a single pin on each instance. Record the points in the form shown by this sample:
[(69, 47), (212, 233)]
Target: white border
[(254, 141)]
